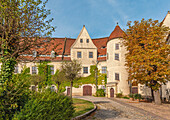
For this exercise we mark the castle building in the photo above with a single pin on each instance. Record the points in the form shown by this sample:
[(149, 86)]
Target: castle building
[(107, 53)]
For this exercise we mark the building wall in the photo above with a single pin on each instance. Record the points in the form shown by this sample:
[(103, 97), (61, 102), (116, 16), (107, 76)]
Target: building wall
[(117, 66), (84, 47)]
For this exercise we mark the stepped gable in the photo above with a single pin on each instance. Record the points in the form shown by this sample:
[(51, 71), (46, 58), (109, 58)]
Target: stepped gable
[(117, 33)]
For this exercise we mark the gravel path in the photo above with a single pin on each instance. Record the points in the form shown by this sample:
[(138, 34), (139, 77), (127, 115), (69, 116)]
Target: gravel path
[(116, 110)]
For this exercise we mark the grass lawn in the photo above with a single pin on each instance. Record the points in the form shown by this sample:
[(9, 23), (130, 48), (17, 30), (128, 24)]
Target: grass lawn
[(81, 106)]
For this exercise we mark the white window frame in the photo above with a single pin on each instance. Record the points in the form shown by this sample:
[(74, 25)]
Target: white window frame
[(85, 70)]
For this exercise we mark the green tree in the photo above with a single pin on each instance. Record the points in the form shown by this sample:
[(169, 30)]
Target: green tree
[(22, 23), (71, 71), (15, 96), (147, 57), (58, 78)]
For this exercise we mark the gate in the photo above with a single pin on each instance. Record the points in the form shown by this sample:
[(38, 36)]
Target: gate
[(87, 91)]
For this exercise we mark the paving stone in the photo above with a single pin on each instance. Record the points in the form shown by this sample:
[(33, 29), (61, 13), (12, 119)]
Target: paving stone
[(113, 110)]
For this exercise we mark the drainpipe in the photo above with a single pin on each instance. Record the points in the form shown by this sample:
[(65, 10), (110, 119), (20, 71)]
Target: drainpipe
[(96, 71)]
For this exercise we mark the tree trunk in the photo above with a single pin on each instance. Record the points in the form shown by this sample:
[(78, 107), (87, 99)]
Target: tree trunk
[(71, 89), (58, 87), (157, 97), (152, 94)]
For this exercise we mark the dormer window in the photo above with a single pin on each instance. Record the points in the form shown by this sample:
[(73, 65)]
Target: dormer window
[(34, 53), (87, 41), (103, 47), (81, 40), (52, 54)]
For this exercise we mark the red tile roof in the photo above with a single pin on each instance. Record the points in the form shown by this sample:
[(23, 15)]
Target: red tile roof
[(117, 33), (61, 46), (100, 43), (69, 43), (30, 58), (101, 58)]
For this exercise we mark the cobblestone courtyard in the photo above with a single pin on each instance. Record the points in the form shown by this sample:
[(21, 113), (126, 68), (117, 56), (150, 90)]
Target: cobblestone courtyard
[(120, 109)]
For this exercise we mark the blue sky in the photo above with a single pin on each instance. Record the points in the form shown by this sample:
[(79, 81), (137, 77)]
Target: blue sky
[(100, 16)]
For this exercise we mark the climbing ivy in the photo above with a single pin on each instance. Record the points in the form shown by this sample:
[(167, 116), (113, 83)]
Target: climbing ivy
[(87, 80), (45, 71)]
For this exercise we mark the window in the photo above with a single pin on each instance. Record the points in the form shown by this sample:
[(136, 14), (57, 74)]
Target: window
[(116, 46), (116, 76), (107, 56), (53, 88), (87, 41), (52, 70), (85, 70), (107, 74), (78, 54), (34, 70), (33, 88), (16, 69), (90, 54), (104, 69), (81, 40), (116, 56), (52, 54), (34, 53)]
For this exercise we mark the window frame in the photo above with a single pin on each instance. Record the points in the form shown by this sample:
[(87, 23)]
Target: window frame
[(52, 70), (104, 70), (87, 40), (117, 76), (117, 47), (79, 55), (16, 70), (81, 40), (117, 56), (90, 54), (85, 70), (34, 71)]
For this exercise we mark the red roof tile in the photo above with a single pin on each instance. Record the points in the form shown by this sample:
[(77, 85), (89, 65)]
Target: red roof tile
[(101, 58), (100, 43), (30, 58), (69, 43), (117, 33)]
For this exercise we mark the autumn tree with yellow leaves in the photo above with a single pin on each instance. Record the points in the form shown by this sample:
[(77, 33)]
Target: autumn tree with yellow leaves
[(147, 58)]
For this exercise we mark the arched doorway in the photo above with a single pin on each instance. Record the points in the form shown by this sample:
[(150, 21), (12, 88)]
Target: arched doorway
[(111, 92), (87, 90), (68, 91)]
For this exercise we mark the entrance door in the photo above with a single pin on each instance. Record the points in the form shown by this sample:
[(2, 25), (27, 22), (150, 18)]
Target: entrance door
[(87, 90), (68, 91), (111, 92), (134, 90)]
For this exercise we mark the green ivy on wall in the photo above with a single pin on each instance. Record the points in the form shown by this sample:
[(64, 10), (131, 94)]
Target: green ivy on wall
[(45, 71), (87, 80)]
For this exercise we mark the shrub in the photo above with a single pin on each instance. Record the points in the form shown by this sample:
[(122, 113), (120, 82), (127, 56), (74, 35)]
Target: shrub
[(100, 93), (137, 96), (47, 106), (119, 95), (131, 95), (125, 97)]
